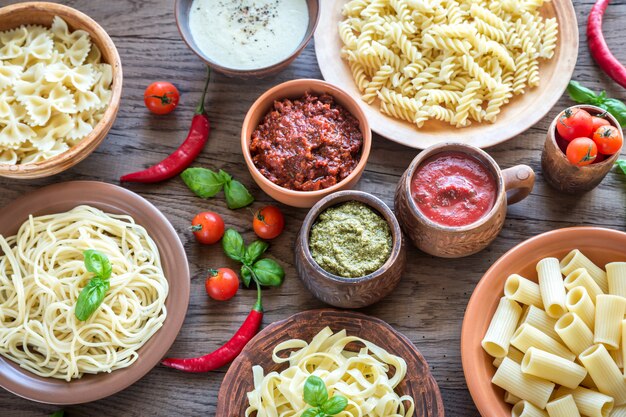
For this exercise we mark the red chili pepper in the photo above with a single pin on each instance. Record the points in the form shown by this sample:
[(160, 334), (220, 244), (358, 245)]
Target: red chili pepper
[(228, 352), (598, 46), (184, 155)]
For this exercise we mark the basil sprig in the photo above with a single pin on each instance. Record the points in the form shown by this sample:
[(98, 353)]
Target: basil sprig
[(266, 272), (206, 184), (316, 395), (581, 94), (94, 292)]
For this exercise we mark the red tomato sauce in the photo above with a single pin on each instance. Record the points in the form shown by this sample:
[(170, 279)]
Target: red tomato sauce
[(453, 189), (307, 144)]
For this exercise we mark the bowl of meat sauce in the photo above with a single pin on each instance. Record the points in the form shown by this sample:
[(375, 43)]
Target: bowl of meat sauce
[(452, 199), (305, 139)]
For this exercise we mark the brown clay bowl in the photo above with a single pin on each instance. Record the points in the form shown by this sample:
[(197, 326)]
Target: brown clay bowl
[(42, 13), (564, 176), (112, 199), (600, 245), (350, 292), (182, 8), (418, 383), (295, 89), (513, 185)]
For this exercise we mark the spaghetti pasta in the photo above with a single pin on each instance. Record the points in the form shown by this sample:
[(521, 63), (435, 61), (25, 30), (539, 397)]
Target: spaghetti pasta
[(42, 273)]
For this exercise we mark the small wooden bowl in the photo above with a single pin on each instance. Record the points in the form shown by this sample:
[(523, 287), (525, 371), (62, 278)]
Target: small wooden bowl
[(295, 89), (458, 241), (418, 382), (564, 176), (350, 292), (42, 13), (182, 21)]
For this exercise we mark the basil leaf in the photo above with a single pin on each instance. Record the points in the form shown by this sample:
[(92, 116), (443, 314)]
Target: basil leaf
[(254, 251), (202, 182), (97, 263), (91, 297), (580, 93), (616, 108), (622, 165), (311, 412), (233, 245), (315, 392), (246, 275), (225, 176), (335, 405), (237, 196), (59, 413), (269, 273)]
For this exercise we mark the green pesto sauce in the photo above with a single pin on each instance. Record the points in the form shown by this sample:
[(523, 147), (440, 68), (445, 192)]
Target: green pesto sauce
[(350, 240)]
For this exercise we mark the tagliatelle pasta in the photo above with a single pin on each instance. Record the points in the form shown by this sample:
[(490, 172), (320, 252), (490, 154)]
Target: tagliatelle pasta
[(362, 377), (451, 60), (53, 90)]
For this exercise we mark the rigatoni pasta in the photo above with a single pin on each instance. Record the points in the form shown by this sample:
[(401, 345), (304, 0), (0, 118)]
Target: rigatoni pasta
[(496, 341), (553, 368), (616, 278), (510, 377), (575, 259), (609, 315), (552, 287), (579, 346), (563, 407)]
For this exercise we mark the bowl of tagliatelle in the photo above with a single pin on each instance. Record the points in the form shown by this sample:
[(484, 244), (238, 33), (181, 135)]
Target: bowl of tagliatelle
[(60, 88), (544, 331), (94, 287), (358, 360)]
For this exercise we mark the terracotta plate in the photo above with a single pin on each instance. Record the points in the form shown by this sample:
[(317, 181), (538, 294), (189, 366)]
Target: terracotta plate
[(112, 199), (419, 383), (600, 245), (519, 114)]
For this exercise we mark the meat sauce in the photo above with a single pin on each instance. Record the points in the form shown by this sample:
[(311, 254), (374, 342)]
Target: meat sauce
[(453, 189), (307, 144)]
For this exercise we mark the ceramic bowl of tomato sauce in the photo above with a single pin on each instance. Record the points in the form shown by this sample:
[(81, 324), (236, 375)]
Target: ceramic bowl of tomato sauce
[(452, 199), (559, 171)]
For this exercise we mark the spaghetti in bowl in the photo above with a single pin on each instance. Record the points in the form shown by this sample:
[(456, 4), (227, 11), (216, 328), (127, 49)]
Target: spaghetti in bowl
[(46, 353)]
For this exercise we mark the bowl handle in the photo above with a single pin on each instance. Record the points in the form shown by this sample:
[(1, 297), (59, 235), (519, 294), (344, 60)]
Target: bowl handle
[(518, 182)]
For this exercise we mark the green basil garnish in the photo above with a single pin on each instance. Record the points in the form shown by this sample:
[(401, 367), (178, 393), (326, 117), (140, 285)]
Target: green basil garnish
[(92, 295), (316, 395), (206, 184)]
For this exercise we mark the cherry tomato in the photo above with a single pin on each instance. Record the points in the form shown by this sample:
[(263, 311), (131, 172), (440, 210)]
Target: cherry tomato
[(598, 122), (268, 222), (207, 227), (161, 97), (222, 284), (574, 123), (608, 139), (581, 151)]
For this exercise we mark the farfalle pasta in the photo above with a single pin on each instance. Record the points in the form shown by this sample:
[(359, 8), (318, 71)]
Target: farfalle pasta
[(53, 90)]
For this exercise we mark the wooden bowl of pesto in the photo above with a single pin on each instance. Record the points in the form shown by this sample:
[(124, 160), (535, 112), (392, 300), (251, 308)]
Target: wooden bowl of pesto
[(350, 251)]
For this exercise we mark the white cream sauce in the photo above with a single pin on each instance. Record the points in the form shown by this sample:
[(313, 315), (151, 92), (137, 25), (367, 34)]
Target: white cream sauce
[(248, 34)]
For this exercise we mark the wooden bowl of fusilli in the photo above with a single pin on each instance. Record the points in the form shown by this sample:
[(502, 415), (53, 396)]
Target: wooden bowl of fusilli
[(60, 88)]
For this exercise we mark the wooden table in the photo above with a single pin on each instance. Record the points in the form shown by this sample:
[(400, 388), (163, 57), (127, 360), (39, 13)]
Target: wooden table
[(429, 303)]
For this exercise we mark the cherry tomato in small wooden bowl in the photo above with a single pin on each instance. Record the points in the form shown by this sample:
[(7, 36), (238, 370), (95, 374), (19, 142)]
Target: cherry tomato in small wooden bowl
[(598, 121), (574, 123), (608, 139), (207, 227), (161, 97), (581, 151), (222, 284), (268, 222)]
